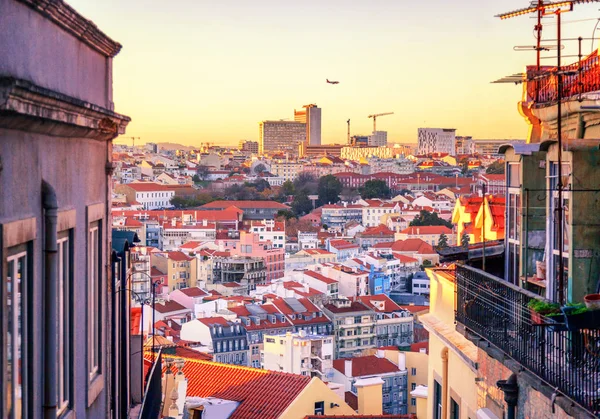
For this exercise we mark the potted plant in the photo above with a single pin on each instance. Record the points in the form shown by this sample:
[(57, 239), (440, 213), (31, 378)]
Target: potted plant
[(541, 308), (578, 317), (592, 301)]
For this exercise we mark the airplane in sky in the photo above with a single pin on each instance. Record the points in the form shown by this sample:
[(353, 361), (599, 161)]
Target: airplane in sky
[(332, 82)]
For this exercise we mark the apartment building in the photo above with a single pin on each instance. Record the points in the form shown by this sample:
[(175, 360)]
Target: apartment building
[(149, 194), (354, 326), (269, 230), (321, 283), (374, 211), (260, 321), (57, 123), (287, 169), (252, 210), (318, 255), (180, 269), (394, 378), (226, 339), (299, 353), (303, 315), (251, 245), (335, 216), (351, 281), (393, 324), (238, 271), (280, 137), (429, 234), (342, 249)]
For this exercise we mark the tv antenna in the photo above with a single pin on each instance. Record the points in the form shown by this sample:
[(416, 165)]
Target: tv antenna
[(543, 9)]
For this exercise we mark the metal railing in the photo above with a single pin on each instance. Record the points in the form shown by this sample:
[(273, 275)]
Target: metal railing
[(578, 78), (153, 392), (497, 312)]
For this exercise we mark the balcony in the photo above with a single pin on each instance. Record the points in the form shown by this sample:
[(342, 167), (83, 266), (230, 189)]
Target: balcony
[(578, 78), (496, 311)]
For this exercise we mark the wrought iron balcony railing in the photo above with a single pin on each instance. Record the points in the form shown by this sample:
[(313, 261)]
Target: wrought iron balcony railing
[(497, 312)]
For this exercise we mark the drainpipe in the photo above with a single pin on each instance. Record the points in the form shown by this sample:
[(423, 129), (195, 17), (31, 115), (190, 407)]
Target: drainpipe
[(444, 357), (50, 206), (511, 394)]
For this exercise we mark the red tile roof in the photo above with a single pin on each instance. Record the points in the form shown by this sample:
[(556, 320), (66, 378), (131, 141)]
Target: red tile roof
[(245, 204), (372, 301), (404, 258), (380, 230), (416, 347), (194, 292), (426, 230), (413, 245), (287, 311), (366, 365), (317, 252), (342, 244), (209, 321), (169, 306), (253, 388), (191, 245), (320, 277), (156, 272), (355, 306), (147, 187), (179, 256), (383, 245)]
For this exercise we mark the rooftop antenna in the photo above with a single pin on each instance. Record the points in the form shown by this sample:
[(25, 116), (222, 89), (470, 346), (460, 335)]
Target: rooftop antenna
[(541, 8)]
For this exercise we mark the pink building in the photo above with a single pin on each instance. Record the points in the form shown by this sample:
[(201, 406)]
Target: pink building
[(249, 244)]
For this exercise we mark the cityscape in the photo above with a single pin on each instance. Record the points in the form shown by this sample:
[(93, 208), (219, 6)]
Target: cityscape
[(381, 268)]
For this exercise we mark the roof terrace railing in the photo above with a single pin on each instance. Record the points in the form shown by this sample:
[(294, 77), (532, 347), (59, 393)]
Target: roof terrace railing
[(497, 311), (577, 79)]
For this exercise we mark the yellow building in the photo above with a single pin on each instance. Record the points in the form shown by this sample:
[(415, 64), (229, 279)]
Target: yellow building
[(180, 269), (479, 218)]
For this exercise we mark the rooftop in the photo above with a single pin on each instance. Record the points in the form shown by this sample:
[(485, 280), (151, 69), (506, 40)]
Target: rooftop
[(366, 365)]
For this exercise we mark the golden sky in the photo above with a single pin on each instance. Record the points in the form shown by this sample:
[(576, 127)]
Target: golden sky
[(195, 71)]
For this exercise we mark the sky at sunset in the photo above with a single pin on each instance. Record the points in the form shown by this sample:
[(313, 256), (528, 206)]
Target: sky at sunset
[(194, 71)]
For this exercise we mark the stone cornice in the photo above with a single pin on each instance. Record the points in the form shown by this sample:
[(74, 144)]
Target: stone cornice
[(29, 107), (67, 18)]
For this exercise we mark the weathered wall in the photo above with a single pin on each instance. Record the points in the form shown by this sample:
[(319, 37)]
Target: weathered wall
[(76, 169), (48, 56)]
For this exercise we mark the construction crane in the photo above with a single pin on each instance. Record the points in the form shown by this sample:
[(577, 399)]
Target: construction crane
[(348, 122), (133, 140), (374, 116)]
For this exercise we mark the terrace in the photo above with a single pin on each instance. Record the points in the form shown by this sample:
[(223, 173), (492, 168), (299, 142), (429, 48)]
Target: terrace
[(564, 362)]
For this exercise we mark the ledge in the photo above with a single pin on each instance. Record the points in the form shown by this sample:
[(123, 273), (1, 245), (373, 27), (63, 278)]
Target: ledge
[(68, 19), (28, 107)]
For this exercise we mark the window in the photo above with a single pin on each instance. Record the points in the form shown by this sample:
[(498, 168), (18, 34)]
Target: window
[(413, 386), (16, 343), (94, 299), (413, 401), (413, 371), (454, 409), (319, 408), (64, 350), (437, 400)]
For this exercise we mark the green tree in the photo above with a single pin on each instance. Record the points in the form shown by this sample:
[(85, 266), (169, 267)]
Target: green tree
[(350, 194), (301, 204), (426, 218), (287, 188), (307, 182), (375, 189), (405, 192), (496, 168), (442, 242), (464, 240), (202, 172), (464, 165), (285, 214), (259, 168), (329, 189)]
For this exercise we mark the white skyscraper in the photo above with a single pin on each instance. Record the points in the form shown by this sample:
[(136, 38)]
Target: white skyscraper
[(437, 140)]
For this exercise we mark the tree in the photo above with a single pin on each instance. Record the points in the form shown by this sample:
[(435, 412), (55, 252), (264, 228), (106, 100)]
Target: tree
[(301, 204), (307, 182), (426, 218), (349, 194), (405, 192), (285, 214), (196, 179), (464, 164), (464, 240), (329, 189), (375, 189), (496, 168), (260, 185), (287, 188), (294, 225), (442, 242), (259, 168), (202, 172)]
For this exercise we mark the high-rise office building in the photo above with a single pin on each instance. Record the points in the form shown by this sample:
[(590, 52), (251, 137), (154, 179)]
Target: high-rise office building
[(437, 140), (311, 116), (280, 136), (378, 139)]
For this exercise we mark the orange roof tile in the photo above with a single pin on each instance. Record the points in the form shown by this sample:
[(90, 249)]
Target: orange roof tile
[(366, 365)]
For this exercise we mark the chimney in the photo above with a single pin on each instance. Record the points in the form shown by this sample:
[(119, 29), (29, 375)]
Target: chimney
[(370, 397), (401, 361), (348, 367), (204, 222), (380, 353)]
